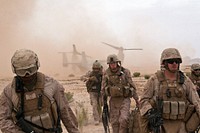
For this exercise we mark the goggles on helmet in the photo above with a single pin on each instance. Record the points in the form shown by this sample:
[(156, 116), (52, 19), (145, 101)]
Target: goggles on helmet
[(23, 72)]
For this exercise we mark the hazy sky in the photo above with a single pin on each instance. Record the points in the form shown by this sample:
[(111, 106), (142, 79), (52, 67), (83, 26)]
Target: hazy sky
[(52, 26)]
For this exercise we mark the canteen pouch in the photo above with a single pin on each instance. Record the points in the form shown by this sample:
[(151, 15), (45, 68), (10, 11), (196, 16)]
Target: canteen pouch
[(189, 112), (193, 123)]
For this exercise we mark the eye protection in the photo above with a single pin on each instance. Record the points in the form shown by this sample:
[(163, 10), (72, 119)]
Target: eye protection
[(172, 61), (24, 72)]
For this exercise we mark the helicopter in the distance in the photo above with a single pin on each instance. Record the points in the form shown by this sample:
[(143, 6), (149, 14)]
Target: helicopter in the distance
[(120, 54), (78, 60)]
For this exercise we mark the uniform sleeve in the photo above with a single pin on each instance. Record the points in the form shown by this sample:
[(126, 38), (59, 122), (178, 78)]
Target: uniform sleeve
[(67, 116), (192, 95), (132, 84), (146, 96), (104, 83), (6, 123)]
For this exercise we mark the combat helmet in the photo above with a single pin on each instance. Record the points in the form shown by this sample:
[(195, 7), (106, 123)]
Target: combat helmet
[(170, 53), (112, 59), (195, 67), (24, 62), (96, 65)]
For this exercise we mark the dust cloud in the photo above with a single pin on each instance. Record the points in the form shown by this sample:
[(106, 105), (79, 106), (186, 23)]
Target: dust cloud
[(48, 27)]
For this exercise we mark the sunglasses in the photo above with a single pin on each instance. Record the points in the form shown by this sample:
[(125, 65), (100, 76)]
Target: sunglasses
[(172, 61)]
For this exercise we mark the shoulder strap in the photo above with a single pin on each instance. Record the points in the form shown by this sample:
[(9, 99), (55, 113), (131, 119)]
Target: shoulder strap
[(181, 77), (161, 80), (20, 90)]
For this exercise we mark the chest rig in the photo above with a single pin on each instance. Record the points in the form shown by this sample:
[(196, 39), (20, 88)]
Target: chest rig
[(173, 95), (94, 86), (37, 111), (118, 84)]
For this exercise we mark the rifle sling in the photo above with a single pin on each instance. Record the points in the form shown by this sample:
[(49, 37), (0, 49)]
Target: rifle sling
[(42, 128)]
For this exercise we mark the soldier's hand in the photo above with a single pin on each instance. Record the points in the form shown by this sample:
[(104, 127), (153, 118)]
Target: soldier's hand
[(93, 78)]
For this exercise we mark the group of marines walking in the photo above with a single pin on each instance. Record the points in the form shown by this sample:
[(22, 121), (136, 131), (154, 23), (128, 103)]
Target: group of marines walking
[(35, 103)]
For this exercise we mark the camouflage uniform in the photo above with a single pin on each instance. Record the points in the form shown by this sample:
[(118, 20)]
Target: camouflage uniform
[(44, 113), (176, 96), (93, 85), (195, 76), (120, 88)]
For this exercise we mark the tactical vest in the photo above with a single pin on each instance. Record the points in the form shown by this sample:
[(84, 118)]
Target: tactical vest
[(93, 86), (39, 112), (118, 85), (174, 97)]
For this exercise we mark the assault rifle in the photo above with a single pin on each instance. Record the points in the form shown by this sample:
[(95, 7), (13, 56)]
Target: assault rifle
[(105, 115), (155, 116)]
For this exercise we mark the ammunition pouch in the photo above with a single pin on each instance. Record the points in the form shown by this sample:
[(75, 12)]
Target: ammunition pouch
[(174, 110), (114, 91)]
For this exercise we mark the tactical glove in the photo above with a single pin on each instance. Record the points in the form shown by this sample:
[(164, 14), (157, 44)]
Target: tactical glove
[(155, 119)]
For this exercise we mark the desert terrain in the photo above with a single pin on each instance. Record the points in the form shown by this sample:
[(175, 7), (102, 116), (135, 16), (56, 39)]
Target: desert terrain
[(80, 100)]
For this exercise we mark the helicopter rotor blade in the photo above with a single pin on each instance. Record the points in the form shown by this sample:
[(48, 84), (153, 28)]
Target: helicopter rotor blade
[(115, 47), (133, 49)]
